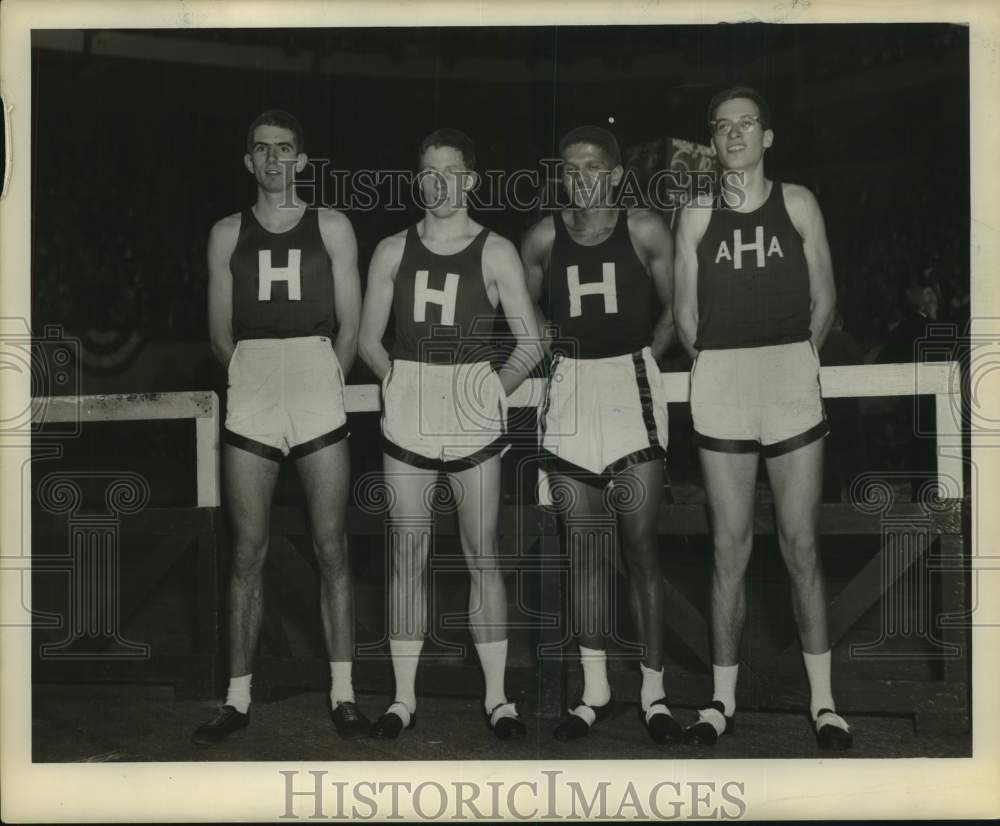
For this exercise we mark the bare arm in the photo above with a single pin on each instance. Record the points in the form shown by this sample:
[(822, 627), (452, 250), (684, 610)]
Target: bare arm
[(502, 267), (655, 246), (221, 242), (808, 220), (535, 250), (342, 247), (690, 228), (378, 305)]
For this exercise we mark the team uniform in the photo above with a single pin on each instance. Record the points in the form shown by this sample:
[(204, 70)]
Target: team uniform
[(286, 387), (755, 383), (444, 406), (605, 407)]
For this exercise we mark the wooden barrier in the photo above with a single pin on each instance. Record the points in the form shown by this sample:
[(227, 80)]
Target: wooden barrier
[(939, 525)]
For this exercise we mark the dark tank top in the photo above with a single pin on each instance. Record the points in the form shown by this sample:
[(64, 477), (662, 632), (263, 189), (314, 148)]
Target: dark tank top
[(753, 280), (600, 297), (442, 312), (282, 281)]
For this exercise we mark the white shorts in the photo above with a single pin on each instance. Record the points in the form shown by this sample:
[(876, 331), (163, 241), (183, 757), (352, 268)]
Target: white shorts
[(752, 399), (286, 397), (442, 416), (601, 416)]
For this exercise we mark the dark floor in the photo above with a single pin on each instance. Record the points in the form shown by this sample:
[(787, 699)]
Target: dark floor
[(141, 723)]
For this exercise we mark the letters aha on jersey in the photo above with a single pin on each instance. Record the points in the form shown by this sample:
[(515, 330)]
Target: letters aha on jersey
[(753, 280)]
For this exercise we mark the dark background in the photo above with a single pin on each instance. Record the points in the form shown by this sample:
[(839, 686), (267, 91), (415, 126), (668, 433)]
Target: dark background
[(138, 138), (135, 158)]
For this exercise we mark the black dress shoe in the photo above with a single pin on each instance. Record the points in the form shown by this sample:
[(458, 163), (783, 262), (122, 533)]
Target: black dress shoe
[(226, 720), (573, 727), (831, 737), (350, 723), (703, 733), (390, 724), (663, 728), (506, 728)]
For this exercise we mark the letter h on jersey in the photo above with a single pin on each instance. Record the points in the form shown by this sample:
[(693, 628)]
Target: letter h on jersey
[(605, 287)]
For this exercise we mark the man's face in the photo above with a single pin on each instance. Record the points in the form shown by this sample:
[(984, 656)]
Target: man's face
[(588, 175), (737, 134), (444, 180), (274, 158)]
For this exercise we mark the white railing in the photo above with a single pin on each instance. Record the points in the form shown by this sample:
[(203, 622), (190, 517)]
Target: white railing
[(941, 380)]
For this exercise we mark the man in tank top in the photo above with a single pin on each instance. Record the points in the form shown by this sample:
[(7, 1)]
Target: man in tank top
[(594, 270), (445, 280), (284, 302), (755, 299)]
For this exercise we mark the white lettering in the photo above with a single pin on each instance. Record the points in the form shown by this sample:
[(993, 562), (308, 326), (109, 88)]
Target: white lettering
[(723, 253), (757, 246), (775, 248), (605, 287), (424, 295), (268, 274)]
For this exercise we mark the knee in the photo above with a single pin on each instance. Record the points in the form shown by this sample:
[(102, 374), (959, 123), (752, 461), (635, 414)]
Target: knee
[(248, 558), (332, 555), (800, 553), (731, 553)]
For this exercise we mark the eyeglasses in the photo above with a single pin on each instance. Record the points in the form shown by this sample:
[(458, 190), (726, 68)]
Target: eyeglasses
[(744, 124)]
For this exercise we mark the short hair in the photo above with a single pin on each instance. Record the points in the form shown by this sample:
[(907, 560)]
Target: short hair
[(454, 139), (734, 92), (596, 136), (282, 119)]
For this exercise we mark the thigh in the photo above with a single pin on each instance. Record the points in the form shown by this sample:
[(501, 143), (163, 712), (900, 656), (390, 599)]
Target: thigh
[(477, 498), (325, 475), (412, 490), (635, 497), (730, 482), (797, 483), (572, 497), (249, 487)]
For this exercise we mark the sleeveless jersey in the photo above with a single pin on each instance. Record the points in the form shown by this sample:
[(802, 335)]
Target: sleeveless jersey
[(282, 281), (753, 281), (442, 312), (600, 297)]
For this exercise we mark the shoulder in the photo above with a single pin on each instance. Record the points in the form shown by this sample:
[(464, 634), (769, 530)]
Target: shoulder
[(802, 208), (389, 251), (334, 223), (541, 234), (646, 225), (694, 217), (226, 228), (798, 199), (498, 250)]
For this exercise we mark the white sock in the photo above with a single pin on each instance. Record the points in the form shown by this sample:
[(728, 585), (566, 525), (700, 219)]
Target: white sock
[(405, 657), (652, 687), (238, 695), (596, 688), (493, 659), (724, 686), (341, 687), (818, 672)]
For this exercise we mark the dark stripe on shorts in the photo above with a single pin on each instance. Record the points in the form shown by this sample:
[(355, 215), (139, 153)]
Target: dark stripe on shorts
[(818, 431), (647, 454), (726, 445), (477, 458), (251, 446), (408, 456), (556, 464), (319, 442), (645, 398)]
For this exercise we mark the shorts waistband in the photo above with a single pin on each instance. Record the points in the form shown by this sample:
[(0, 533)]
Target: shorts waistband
[(624, 358), (286, 343)]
